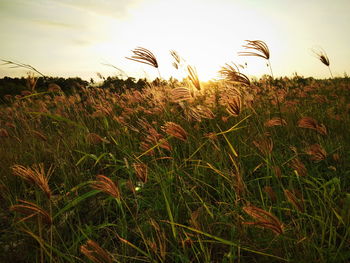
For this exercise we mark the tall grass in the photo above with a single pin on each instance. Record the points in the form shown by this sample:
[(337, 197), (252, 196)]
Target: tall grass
[(167, 174)]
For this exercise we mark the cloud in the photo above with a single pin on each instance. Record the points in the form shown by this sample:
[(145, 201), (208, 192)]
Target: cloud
[(81, 42), (56, 24), (112, 8)]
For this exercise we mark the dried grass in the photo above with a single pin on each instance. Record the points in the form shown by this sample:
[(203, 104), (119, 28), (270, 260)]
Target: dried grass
[(322, 56), (234, 106), (177, 58), (95, 253), (4, 133), (260, 49), (310, 123), (299, 167), (193, 77), (30, 210), (141, 171), (173, 129), (145, 56), (35, 175), (94, 138), (229, 73), (271, 193), (265, 219), (265, 145), (106, 185), (180, 94), (316, 152), (297, 203), (277, 121), (159, 247)]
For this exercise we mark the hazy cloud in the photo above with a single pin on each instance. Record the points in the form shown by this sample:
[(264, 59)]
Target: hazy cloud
[(81, 42), (113, 8), (56, 24)]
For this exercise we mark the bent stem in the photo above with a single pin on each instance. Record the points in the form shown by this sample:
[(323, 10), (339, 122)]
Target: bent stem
[(277, 99), (329, 68), (269, 62)]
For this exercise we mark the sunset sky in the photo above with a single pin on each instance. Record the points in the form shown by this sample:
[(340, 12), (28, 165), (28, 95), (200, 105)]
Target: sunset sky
[(75, 37)]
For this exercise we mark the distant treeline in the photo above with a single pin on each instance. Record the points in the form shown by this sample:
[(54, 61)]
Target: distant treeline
[(21, 86), (18, 86)]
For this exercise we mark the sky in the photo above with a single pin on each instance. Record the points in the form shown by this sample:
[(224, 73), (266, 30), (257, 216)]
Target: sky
[(76, 38)]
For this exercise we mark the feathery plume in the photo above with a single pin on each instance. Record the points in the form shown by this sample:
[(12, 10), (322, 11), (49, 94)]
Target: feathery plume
[(4, 132), (39, 135), (31, 81), (277, 121), (265, 219), (141, 171), (271, 193), (229, 73), (173, 129), (239, 184), (260, 47), (106, 185), (234, 106), (265, 145), (35, 175), (299, 167), (277, 171), (198, 113), (336, 157), (30, 209), (310, 123), (145, 56), (298, 204), (316, 152), (177, 59), (54, 88), (94, 138), (193, 77), (161, 238), (322, 56), (95, 253), (180, 94)]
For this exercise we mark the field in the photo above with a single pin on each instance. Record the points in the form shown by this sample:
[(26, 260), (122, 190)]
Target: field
[(251, 171)]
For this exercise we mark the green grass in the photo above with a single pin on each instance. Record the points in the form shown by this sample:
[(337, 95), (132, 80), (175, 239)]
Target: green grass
[(190, 206)]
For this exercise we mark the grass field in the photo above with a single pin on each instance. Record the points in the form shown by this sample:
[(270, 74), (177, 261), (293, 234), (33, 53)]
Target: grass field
[(184, 172)]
